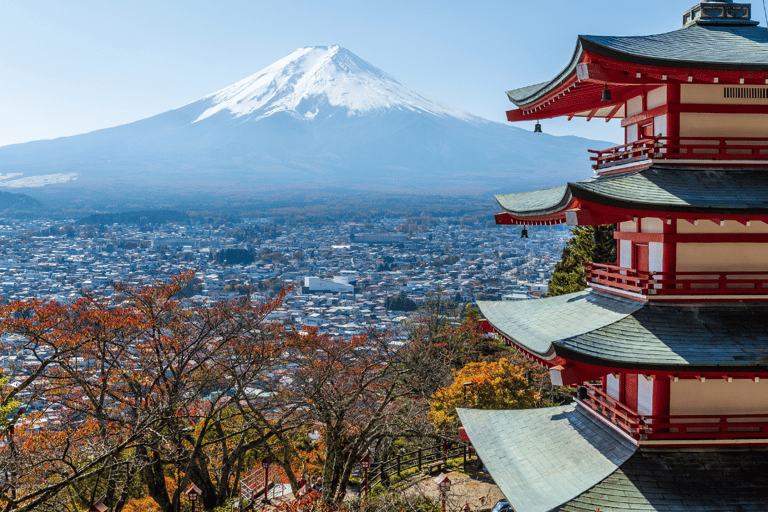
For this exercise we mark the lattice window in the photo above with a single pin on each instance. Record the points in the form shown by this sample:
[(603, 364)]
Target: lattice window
[(745, 93)]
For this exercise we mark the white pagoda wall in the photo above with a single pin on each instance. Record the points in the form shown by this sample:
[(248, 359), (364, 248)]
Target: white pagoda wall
[(655, 249), (717, 396), (655, 98), (723, 125), (613, 386), (721, 256), (714, 94), (731, 226), (644, 395)]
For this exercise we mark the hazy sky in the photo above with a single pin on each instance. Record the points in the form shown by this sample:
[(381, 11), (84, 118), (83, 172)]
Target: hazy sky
[(73, 67)]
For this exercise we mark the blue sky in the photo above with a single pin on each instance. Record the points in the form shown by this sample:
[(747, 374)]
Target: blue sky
[(73, 67)]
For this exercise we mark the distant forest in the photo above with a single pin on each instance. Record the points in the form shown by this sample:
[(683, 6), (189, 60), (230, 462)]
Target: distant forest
[(139, 217), (299, 209)]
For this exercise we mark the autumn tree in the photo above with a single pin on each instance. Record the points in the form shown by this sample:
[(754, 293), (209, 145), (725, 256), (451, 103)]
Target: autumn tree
[(347, 388), (143, 386), (484, 385)]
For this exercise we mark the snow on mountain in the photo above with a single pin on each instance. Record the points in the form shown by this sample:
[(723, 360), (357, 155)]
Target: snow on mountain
[(319, 118), (310, 79)]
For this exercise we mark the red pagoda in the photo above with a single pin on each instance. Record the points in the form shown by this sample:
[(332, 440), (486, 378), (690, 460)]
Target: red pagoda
[(668, 347)]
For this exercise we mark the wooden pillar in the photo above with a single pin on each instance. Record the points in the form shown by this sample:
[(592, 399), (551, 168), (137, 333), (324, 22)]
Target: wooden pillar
[(669, 255), (661, 395), (622, 390), (673, 119)]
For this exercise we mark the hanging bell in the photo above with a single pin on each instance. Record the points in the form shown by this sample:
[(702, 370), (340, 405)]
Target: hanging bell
[(524, 233), (606, 94), (537, 128)]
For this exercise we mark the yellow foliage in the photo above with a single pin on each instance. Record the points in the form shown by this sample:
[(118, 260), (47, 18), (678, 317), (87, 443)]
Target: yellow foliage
[(495, 385), (145, 504)]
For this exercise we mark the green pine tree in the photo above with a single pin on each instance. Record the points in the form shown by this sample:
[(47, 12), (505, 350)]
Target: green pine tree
[(588, 244)]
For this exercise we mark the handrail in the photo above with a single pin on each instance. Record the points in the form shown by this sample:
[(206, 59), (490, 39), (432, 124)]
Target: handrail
[(657, 283), (417, 458), (671, 148), (678, 426)]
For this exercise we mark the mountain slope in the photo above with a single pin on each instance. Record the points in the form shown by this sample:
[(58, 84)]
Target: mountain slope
[(321, 117)]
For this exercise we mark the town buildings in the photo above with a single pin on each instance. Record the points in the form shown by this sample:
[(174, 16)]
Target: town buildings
[(669, 346), (61, 260)]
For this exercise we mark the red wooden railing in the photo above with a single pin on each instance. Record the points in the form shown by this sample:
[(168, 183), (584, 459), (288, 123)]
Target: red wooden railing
[(683, 148), (677, 283), (615, 411), (683, 426), (639, 150)]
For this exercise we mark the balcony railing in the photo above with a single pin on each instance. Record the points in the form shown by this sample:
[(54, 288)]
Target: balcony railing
[(669, 427), (687, 148), (676, 283)]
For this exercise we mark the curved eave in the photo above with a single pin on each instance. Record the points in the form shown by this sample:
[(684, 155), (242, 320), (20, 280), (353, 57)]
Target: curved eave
[(576, 356), (595, 47), (662, 189), (545, 206), (542, 458), (639, 207), (536, 325), (532, 93), (740, 49), (603, 330), (562, 459)]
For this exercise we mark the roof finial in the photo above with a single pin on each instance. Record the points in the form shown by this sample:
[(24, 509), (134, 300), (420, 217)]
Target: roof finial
[(719, 12)]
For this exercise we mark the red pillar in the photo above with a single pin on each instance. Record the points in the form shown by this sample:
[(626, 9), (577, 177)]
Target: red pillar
[(661, 395), (266, 484), (669, 256), (673, 119)]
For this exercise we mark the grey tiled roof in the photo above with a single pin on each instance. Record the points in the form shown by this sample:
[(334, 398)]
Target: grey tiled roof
[(538, 202), (657, 187), (734, 47), (541, 458), (698, 46), (597, 328), (561, 459), (527, 94), (536, 324), (714, 480)]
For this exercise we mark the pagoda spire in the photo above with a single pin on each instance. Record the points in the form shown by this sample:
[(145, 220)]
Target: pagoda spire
[(719, 12)]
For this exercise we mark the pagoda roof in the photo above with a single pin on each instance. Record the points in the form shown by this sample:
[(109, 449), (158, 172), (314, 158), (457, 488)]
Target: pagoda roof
[(737, 48), (625, 62), (609, 331), (654, 188), (542, 458), (562, 459)]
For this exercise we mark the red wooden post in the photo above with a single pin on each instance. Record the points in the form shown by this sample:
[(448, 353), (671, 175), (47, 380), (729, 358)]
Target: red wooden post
[(98, 507), (193, 493), (443, 485), (265, 464), (366, 463)]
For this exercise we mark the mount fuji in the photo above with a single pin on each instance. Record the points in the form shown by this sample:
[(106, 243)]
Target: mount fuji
[(320, 118)]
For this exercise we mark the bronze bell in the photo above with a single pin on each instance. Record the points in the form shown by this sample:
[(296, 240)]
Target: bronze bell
[(606, 94), (524, 234), (537, 128)]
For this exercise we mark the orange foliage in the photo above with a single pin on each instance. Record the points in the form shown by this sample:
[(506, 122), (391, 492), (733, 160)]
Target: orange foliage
[(494, 385)]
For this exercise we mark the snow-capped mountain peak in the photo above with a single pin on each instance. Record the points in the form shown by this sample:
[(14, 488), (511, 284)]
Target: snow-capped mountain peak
[(321, 82)]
